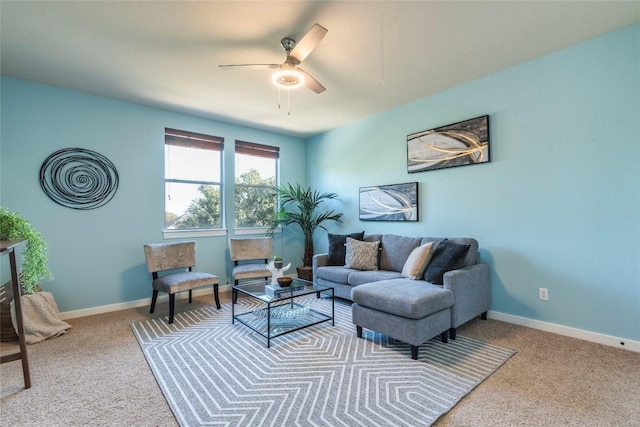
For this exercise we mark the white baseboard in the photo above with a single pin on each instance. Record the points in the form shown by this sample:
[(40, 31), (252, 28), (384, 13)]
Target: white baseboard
[(567, 331), (139, 303), (509, 318)]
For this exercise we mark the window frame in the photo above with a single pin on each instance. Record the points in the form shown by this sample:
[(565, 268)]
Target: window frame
[(193, 140), (257, 150)]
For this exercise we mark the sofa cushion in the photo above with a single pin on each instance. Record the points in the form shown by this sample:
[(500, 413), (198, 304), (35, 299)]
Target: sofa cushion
[(447, 256), (372, 237), (396, 250), (361, 255), (402, 297), (359, 277), (337, 246), (416, 263), (334, 274)]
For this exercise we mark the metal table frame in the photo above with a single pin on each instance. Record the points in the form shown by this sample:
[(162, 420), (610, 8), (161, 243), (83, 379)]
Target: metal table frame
[(278, 302)]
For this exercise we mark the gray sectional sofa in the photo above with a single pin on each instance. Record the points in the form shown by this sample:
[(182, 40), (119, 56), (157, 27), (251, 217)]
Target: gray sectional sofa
[(454, 288)]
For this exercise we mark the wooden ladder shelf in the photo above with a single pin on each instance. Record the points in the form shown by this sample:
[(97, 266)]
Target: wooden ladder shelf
[(8, 247)]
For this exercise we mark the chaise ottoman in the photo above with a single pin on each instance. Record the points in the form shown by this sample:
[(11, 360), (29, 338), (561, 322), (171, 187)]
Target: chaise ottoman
[(412, 311)]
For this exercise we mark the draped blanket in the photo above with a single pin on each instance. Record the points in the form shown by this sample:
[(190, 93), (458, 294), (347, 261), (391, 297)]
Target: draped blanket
[(40, 316)]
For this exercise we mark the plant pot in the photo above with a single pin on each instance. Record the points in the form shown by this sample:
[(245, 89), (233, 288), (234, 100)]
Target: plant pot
[(278, 264), (305, 273)]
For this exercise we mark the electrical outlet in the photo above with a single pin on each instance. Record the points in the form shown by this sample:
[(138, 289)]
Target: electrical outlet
[(543, 294)]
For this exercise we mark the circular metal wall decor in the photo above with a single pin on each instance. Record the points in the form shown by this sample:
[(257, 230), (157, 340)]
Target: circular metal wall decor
[(79, 179)]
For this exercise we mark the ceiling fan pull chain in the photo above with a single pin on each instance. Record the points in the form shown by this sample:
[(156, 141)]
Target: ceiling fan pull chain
[(288, 103), (278, 98)]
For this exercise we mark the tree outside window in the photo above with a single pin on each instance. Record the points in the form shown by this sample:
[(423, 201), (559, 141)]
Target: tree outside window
[(256, 174)]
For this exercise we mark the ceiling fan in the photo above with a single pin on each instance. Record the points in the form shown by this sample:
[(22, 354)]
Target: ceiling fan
[(289, 75)]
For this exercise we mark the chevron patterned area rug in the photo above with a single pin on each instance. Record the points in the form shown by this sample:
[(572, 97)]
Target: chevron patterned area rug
[(215, 373)]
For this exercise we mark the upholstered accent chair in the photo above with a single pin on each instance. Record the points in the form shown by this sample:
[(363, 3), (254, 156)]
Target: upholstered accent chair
[(250, 259), (162, 262)]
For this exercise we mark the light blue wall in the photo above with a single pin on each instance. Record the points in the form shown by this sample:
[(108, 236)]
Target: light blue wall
[(96, 255), (559, 204), (557, 207)]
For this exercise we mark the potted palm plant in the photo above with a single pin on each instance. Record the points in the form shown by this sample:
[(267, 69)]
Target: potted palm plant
[(36, 252), (301, 206)]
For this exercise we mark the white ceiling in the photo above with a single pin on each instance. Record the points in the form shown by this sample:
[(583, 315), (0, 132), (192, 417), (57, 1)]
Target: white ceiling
[(376, 55)]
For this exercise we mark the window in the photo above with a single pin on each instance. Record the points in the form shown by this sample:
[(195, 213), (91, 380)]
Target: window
[(256, 172), (192, 180)]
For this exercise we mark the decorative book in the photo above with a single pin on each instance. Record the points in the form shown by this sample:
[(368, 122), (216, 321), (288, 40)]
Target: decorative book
[(276, 291)]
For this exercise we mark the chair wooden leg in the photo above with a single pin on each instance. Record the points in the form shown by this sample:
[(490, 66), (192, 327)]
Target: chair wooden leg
[(215, 295), (483, 316), (190, 296), (172, 306), (452, 333), (444, 336), (154, 297), (359, 331)]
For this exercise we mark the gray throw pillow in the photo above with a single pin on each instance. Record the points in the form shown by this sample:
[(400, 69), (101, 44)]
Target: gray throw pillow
[(447, 256), (395, 251), (337, 246)]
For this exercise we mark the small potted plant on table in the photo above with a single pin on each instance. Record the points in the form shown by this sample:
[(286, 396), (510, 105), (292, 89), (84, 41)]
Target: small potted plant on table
[(277, 262)]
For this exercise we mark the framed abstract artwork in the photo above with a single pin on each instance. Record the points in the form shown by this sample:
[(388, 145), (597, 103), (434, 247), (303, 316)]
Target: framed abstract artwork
[(458, 144), (395, 202)]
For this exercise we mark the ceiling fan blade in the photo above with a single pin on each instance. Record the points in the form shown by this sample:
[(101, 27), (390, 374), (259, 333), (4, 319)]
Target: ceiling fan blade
[(311, 83), (251, 66), (308, 42)]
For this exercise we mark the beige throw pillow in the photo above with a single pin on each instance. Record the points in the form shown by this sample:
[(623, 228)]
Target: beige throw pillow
[(361, 255), (415, 265)]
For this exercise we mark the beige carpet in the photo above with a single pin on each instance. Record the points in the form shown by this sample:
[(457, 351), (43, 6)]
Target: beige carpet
[(96, 375)]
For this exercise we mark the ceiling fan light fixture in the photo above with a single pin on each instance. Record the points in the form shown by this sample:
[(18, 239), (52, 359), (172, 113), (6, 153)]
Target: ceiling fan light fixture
[(288, 78)]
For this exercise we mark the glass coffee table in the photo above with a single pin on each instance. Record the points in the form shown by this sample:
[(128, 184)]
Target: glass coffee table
[(282, 310)]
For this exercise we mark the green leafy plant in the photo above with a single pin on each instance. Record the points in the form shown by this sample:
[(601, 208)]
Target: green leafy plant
[(277, 261), (301, 206), (36, 252)]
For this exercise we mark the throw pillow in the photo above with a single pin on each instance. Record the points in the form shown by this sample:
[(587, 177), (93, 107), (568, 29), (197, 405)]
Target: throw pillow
[(447, 256), (417, 261), (337, 247), (395, 251), (361, 255)]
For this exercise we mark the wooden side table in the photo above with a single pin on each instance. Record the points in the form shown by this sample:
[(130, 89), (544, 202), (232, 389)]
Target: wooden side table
[(9, 247)]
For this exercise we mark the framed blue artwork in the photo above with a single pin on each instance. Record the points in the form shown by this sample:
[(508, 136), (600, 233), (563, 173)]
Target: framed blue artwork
[(458, 144), (395, 202)]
